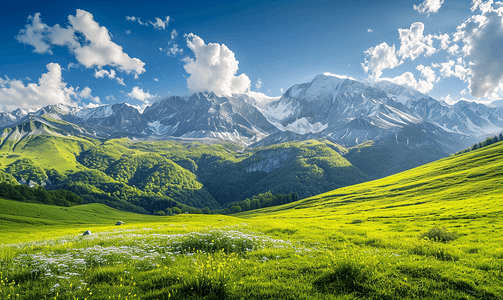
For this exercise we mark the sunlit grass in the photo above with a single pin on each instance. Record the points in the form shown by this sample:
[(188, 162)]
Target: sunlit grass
[(434, 232)]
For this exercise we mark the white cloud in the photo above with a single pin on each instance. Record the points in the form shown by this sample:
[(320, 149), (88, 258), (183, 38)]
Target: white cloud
[(50, 90), (86, 94), (381, 57), (213, 69), (413, 43), (258, 84), (91, 105), (429, 6), (427, 72), (120, 81), (370, 30), (482, 38), (139, 94), (100, 50), (100, 73), (174, 50), (110, 97), (135, 19), (128, 31), (408, 79), (86, 39), (174, 34), (33, 35), (72, 65), (159, 23), (453, 50), (446, 69), (444, 40), (262, 98), (155, 79), (448, 99), (281, 90)]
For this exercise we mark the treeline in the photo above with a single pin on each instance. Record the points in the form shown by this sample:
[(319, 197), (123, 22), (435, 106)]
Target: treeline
[(258, 201), (261, 200), (38, 194), (487, 142)]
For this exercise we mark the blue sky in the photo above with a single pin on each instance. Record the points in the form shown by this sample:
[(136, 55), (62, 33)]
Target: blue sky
[(102, 52)]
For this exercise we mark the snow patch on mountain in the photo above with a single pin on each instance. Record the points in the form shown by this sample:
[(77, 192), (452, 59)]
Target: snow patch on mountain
[(159, 129), (302, 126), (276, 112), (95, 113)]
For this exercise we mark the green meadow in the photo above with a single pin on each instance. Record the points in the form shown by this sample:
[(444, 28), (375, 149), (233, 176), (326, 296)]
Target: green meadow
[(433, 232)]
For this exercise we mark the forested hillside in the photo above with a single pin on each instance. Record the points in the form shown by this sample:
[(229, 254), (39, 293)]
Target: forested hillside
[(151, 176)]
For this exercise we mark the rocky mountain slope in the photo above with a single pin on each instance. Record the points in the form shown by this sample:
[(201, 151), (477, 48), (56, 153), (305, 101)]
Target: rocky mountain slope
[(376, 118)]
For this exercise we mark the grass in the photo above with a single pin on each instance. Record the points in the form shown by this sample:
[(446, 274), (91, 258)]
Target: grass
[(434, 232)]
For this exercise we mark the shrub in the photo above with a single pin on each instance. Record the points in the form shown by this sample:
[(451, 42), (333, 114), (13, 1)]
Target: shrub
[(439, 235), (217, 241)]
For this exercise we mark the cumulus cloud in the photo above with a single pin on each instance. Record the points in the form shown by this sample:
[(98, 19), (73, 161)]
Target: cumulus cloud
[(370, 30), (408, 79), (381, 57), (482, 38), (86, 94), (85, 38), (444, 40), (213, 69), (34, 34), (50, 90), (413, 43), (139, 94), (429, 6), (100, 73), (174, 50), (427, 72)]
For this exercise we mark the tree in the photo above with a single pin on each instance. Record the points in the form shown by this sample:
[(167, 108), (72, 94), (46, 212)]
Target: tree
[(206, 211), (176, 210), (160, 213), (236, 209), (255, 204), (169, 211)]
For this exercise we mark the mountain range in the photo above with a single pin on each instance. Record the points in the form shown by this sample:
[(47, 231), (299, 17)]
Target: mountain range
[(208, 150), (344, 110)]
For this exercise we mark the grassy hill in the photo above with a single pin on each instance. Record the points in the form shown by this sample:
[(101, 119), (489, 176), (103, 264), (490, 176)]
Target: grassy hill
[(433, 232)]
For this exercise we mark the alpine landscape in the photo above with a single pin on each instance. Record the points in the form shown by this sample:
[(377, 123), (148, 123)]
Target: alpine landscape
[(143, 165)]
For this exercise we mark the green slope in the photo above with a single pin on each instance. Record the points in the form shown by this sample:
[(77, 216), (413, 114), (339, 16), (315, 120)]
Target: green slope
[(20, 222), (467, 186), (365, 241)]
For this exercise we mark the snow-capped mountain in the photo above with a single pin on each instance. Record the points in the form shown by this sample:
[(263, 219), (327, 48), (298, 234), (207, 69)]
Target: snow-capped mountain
[(205, 115), (351, 112), (341, 109)]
